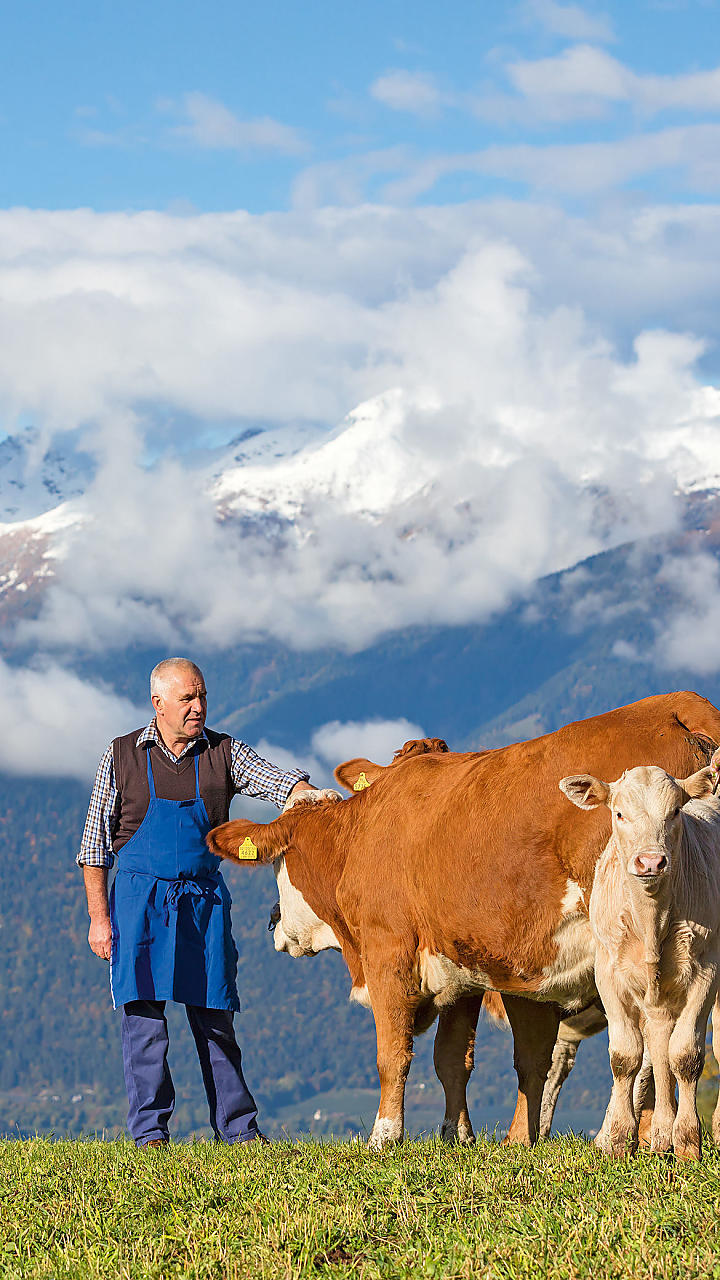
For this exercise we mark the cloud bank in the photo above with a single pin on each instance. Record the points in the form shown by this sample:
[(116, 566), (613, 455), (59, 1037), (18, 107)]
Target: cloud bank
[(59, 724), (521, 408)]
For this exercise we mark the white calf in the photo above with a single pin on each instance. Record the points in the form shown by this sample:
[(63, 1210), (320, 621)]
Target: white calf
[(655, 916)]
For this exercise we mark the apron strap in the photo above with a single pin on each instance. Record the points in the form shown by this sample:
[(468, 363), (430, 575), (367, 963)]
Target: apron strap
[(197, 776), (151, 780)]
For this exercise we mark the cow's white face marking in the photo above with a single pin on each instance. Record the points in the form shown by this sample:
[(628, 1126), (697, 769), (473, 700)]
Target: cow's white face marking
[(570, 978), (300, 931)]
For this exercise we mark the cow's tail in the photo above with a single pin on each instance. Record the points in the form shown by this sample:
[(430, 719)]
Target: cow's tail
[(251, 843), (495, 1009)]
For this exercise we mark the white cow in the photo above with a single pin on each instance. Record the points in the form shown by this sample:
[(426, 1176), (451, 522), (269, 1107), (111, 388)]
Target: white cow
[(655, 916)]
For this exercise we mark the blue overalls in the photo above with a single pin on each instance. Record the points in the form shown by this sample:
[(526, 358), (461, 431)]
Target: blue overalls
[(172, 940)]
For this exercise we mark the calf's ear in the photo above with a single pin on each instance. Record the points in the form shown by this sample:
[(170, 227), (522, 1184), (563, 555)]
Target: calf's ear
[(585, 791), (699, 784)]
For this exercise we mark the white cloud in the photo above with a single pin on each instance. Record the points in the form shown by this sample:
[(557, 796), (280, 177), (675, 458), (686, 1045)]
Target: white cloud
[(377, 740), (212, 125), (506, 435), (59, 724), (584, 80), (582, 168), (687, 637), (681, 158), (570, 20), (412, 91)]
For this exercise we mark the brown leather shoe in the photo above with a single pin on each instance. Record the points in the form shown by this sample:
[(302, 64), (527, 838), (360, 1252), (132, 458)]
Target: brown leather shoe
[(154, 1142)]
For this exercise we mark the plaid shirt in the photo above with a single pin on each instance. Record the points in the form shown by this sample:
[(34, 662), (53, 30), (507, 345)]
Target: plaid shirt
[(250, 775)]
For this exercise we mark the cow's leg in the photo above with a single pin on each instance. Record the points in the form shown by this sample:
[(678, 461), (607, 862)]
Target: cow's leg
[(619, 1128), (687, 1059), (658, 1026), (716, 1051), (534, 1027), (644, 1099), (563, 1061), (454, 1057), (572, 1030), (394, 998)]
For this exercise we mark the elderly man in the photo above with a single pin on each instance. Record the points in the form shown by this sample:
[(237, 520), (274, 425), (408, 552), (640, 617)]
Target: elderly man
[(166, 926)]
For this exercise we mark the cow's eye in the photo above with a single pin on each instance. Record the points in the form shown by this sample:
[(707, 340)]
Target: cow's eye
[(676, 811), (618, 814)]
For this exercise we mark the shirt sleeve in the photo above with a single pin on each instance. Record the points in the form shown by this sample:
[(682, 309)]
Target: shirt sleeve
[(96, 846), (258, 778)]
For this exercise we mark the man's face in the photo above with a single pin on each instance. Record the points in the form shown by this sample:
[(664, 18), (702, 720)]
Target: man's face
[(181, 709)]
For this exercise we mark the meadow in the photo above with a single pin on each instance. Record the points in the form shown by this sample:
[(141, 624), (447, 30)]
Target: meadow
[(96, 1209)]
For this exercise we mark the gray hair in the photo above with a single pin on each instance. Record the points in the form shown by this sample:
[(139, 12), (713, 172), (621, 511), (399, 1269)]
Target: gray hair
[(161, 673)]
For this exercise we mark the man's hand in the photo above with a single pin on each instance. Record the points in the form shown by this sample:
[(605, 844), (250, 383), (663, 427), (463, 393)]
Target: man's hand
[(99, 933), (303, 792), (100, 937)]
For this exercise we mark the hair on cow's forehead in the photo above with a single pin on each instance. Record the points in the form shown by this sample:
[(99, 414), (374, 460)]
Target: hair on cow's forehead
[(645, 787)]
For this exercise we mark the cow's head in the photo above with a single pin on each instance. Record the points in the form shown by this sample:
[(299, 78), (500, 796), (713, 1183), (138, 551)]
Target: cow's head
[(356, 775), (299, 931), (646, 805)]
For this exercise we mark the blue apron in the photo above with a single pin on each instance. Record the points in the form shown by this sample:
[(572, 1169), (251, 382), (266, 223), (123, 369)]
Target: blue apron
[(170, 910)]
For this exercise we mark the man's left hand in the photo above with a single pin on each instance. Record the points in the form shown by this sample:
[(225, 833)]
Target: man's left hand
[(303, 791)]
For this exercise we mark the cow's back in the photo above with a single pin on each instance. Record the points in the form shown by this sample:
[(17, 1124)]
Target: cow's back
[(479, 856)]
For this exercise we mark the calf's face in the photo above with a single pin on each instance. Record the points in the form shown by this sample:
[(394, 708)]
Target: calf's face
[(646, 805)]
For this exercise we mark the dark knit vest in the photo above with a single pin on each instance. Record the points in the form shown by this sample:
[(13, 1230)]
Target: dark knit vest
[(173, 780)]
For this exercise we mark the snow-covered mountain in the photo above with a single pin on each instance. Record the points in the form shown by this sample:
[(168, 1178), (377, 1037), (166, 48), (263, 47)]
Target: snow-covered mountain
[(399, 465), (35, 478)]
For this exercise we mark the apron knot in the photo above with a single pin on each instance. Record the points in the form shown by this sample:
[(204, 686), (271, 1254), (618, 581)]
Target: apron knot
[(177, 889)]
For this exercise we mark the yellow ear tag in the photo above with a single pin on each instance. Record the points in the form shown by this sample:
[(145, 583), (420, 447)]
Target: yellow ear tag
[(361, 783), (248, 851)]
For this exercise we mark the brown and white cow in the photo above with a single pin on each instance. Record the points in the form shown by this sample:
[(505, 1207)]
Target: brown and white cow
[(655, 916), (464, 872), (456, 1031)]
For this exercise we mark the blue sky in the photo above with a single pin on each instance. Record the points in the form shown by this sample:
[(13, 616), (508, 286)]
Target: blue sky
[(471, 251), (177, 106)]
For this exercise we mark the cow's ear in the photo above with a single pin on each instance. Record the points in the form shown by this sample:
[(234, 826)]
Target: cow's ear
[(699, 784), (585, 791), (356, 775)]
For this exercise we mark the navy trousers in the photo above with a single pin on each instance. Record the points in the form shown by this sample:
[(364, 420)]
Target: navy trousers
[(150, 1090)]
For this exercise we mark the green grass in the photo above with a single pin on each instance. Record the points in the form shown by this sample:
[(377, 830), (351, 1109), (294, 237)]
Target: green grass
[(103, 1209)]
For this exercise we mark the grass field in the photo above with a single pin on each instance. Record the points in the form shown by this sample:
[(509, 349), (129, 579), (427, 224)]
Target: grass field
[(96, 1209)]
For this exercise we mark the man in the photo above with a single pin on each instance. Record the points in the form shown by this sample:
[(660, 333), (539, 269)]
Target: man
[(166, 926)]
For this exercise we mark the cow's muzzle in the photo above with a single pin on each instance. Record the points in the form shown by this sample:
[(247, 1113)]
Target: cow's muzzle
[(648, 865)]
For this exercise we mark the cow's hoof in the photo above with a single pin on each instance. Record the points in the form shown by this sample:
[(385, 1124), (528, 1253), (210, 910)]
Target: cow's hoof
[(687, 1144), (456, 1135), (617, 1144), (661, 1141), (516, 1140), (385, 1132)]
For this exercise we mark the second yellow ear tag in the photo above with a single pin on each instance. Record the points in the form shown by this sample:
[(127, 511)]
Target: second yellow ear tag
[(248, 851), (361, 783)]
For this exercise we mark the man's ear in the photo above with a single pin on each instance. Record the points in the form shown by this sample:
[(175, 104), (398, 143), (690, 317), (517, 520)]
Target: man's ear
[(585, 791)]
